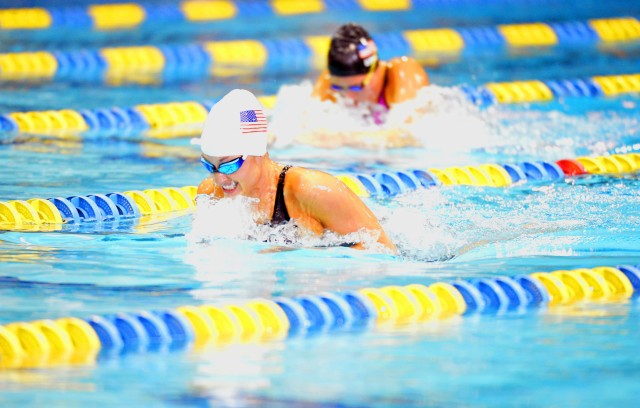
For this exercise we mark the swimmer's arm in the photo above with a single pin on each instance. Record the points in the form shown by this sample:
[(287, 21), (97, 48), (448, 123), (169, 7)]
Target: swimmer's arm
[(337, 208), (210, 188)]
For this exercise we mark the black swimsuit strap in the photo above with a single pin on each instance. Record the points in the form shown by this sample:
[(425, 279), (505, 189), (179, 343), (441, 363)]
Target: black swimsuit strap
[(280, 213)]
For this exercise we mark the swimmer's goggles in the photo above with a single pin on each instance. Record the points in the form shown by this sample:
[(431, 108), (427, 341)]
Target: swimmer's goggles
[(229, 167), (360, 86)]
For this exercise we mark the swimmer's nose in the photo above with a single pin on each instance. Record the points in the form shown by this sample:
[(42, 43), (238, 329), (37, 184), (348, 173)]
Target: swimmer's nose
[(352, 95), (221, 178)]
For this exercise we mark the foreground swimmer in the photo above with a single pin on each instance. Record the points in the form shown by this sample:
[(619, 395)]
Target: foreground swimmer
[(234, 151), (355, 72)]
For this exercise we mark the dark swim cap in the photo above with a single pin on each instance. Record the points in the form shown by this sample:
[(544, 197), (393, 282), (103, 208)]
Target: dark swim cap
[(352, 51)]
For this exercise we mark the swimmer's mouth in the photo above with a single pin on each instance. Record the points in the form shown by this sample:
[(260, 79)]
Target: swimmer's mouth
[(230, 187)]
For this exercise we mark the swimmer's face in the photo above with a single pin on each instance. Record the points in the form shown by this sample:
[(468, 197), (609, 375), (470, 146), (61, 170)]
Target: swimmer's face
[(235, 183), (359, 88)]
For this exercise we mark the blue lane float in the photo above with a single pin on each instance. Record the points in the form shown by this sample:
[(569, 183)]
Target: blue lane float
[(318, 313), (87, 208), (537, 294), (481, 38), (138, 122), (107, 333), (361, 307), (576, 88), (371, 184), (180, 329), (7, 124), (108, 209), (515, 172), (471, 295), (633, 274), (426, 178), (554, 172), (298, 322), (391, 183), (133, 334), (409, 179), (118, 334), (516, 295), (68, 211), (125, 206), (157, 331), (343, 316), (574, 33), (292, 55), (533, 171), (494, 297)]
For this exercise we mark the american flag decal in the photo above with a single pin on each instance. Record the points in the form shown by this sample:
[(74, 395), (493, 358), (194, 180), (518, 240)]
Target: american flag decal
[(368, 52), (366, 49), (253, 121)]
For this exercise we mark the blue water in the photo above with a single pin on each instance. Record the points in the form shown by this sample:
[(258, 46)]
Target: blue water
[(583, 355)]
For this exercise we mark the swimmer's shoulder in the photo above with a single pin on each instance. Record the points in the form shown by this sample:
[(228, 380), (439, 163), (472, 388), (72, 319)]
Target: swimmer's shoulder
[(322, 87), (309, 198), (405, 76), (304, 183)]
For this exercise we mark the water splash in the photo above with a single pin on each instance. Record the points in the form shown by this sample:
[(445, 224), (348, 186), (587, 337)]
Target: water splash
[(440, 224), (444, 223), (430, 120), (232, 219), (444, 124), (299, 118)]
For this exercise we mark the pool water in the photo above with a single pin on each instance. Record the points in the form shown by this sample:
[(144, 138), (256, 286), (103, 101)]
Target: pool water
[(578, 355)]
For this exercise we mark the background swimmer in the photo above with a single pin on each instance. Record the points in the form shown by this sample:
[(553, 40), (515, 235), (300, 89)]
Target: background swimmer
[(355, 72), (356, 79), (234, 151)]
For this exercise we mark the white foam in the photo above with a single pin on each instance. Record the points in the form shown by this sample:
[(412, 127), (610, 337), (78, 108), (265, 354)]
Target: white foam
[(443, 122), (218, 222), (437, 118)]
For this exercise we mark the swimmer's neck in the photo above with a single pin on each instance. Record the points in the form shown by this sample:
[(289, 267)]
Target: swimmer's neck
[(267, 184), (380, 85)]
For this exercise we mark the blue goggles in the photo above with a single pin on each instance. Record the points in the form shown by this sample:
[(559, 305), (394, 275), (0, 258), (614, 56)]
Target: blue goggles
[(352, 88), (358, 87), (229, 167)]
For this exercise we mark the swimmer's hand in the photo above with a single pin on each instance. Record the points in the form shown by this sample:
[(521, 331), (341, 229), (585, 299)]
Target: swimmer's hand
[(210, 188)]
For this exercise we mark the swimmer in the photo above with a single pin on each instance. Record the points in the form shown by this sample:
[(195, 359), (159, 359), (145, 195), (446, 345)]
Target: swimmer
[(234, 151), (355, 72)]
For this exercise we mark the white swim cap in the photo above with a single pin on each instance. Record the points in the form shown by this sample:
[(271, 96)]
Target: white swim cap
[(236, 125)]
